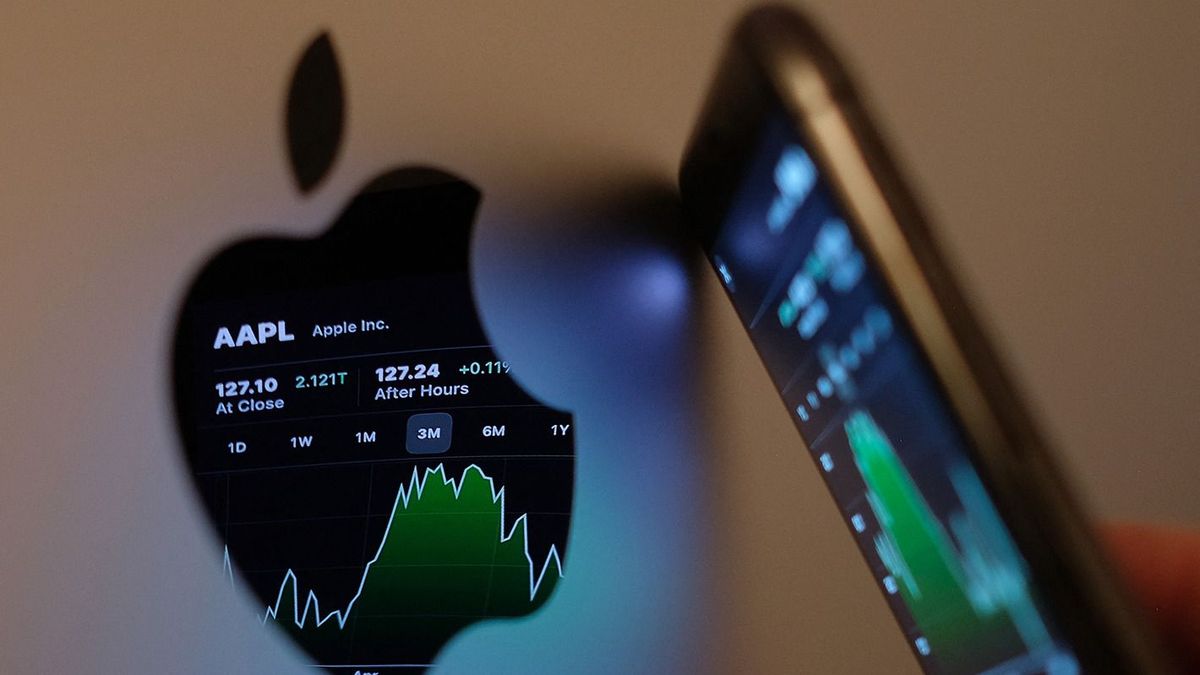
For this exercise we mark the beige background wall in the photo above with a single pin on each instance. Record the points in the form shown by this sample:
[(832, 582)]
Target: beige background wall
[(1056, 145)]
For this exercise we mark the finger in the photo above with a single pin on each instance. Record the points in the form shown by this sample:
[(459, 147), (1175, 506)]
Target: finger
[(1161, 564)]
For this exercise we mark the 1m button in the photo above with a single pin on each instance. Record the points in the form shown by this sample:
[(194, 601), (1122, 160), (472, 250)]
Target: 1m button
[(429, 433)]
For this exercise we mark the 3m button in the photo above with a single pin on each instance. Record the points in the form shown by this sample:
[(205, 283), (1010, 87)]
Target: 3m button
[(429, 433)]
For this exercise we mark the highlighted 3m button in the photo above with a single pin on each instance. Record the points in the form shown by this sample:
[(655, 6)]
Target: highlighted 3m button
[(429, 433)]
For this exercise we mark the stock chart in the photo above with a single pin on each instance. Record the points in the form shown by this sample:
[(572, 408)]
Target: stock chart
[(375, 475)]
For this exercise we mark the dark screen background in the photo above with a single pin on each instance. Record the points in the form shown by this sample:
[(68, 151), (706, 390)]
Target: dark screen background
[(359, 445)]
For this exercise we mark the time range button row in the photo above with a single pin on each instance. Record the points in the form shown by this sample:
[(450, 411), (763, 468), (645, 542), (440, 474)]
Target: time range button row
[(534, 430)]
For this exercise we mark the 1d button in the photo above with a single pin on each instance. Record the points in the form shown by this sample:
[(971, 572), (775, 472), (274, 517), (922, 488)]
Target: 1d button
[(429, 433)]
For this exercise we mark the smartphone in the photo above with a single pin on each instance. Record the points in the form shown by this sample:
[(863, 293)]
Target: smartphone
[(970, 531)]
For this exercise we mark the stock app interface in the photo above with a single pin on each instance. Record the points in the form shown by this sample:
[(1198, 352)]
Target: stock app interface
[(870, 411), (377, 478)]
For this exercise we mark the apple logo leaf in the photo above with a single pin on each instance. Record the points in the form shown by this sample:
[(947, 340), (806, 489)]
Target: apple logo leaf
[(315, 113)]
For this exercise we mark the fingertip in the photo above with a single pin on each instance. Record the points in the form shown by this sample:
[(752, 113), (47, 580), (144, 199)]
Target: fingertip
[(1161, 566)]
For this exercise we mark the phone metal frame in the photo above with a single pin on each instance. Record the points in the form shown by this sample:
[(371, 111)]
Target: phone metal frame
[(776, 57)]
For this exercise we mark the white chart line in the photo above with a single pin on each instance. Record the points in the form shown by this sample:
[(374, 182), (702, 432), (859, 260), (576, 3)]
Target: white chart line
[(417, 486)]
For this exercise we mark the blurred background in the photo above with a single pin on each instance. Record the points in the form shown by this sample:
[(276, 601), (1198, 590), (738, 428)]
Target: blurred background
[(1055, 146)]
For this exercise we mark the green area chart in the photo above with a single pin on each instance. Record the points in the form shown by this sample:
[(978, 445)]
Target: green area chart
[(964, 583), (445, 562)]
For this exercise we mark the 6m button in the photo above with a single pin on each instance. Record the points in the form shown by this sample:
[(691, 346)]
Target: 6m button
[(429, 433)]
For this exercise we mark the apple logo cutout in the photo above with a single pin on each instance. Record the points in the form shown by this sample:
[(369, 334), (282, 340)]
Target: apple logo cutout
[(377, 478)]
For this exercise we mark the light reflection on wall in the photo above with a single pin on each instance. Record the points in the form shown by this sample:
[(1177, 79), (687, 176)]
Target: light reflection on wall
[(593, 311)]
